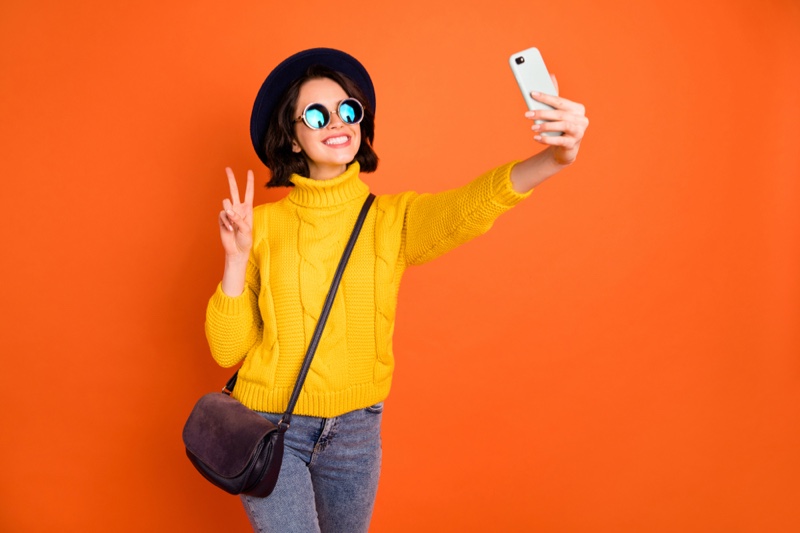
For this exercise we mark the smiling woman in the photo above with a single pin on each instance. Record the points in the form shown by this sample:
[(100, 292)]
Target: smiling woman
[(313, 126), (275, 134), (332, 144)]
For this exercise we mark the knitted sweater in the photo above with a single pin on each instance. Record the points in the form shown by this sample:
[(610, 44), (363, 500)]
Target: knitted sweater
[(297, 244)]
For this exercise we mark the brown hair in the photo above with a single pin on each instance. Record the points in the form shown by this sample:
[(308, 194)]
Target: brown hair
[(281, 160)]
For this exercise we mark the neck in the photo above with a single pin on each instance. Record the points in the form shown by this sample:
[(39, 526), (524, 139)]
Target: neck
[(339, 189), (324, 172)]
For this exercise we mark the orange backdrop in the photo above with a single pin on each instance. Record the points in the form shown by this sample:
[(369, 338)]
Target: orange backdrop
[(620, 353)]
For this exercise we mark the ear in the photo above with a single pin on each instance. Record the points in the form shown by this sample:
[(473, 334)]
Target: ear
[(296, 147)]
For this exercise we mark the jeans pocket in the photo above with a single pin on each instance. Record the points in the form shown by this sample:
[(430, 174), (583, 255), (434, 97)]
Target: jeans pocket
[(375, 409)]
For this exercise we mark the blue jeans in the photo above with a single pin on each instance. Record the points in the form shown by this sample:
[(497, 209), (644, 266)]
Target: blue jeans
[(329, 476)]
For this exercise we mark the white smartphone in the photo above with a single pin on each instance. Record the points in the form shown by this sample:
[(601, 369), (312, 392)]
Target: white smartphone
[(531, 74)]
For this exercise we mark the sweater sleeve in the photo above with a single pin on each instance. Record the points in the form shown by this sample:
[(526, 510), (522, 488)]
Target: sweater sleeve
[(233, 324), (438, 223)]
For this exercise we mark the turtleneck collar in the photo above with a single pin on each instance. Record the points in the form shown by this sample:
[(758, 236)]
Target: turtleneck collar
[(321, 193)]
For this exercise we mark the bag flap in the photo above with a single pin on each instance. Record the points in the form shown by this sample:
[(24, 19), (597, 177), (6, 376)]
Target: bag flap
[(223, 433)]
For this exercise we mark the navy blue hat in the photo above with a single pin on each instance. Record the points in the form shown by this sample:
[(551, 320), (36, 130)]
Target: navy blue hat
[(290, 70)]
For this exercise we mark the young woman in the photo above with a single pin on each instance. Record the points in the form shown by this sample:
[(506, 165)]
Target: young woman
[(313, 126)]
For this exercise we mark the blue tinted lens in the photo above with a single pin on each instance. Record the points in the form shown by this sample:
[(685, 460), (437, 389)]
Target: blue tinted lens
[(350, 111), (316, 116)]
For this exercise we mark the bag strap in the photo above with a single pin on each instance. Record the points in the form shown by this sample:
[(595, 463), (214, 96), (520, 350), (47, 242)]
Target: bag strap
[(286, 419)]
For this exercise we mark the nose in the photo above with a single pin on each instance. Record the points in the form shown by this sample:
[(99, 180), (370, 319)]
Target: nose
[(336, 120)]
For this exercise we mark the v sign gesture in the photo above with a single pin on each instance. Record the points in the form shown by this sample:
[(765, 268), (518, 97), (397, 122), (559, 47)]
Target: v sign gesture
[(235, 230)]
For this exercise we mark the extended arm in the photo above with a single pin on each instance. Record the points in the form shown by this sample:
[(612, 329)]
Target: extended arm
[(437, 223)]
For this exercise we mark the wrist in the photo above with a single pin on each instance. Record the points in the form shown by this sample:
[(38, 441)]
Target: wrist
[(233, 277), (561, 157), (236, 261)]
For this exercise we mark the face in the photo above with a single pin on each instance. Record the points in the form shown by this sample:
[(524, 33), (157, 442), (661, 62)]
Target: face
[(330, 149)]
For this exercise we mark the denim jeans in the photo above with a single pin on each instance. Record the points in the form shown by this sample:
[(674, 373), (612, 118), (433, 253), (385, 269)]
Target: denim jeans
[(329, 476)]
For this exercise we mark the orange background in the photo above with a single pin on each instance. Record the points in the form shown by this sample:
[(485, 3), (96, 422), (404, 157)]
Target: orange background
[(620, 353)]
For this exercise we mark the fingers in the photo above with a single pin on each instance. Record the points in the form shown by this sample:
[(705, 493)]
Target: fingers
[(232, 221), (561, 126), (235, 215), (545, 121), (569, 139), (559, 103), (227, 214), (235, 233), (224, 223), (554, 114), (248, 193), (234, 188), (574, 116), (567, 116)]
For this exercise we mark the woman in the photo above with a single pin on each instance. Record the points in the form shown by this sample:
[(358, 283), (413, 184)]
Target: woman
[(313, 126)]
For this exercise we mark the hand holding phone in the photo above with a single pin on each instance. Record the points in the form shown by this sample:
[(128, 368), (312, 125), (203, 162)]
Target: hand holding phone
[(531, 75)]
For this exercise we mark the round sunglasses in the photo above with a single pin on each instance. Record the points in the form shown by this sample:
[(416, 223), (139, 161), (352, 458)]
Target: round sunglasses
[(317, 116)]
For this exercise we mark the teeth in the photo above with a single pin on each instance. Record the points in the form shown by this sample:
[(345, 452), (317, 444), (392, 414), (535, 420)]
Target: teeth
[(337, 140)]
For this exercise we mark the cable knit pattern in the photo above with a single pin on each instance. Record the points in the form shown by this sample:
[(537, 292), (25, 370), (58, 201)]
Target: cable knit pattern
[(297, 244)]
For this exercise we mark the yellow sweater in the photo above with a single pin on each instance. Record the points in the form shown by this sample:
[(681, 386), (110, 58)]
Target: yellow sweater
[(297, 243)]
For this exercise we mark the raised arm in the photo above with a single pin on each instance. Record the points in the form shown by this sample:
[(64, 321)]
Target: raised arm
[(233, 323)]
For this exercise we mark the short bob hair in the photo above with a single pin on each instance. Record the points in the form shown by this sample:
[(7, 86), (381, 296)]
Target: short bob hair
[(281, 160)]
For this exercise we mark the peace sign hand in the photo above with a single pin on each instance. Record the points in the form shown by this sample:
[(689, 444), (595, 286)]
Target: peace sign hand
[(236, 220)]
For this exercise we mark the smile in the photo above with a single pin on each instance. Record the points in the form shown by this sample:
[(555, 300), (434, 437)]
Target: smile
[(335, 141)]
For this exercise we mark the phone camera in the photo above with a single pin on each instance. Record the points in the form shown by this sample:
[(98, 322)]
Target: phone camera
[(520, 60)]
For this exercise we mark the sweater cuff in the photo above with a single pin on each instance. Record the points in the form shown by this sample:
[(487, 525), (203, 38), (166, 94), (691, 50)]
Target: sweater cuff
[(230, 305), (504, 190)]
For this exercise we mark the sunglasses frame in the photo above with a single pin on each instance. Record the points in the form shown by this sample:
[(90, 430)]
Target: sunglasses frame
[(330, 113)]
